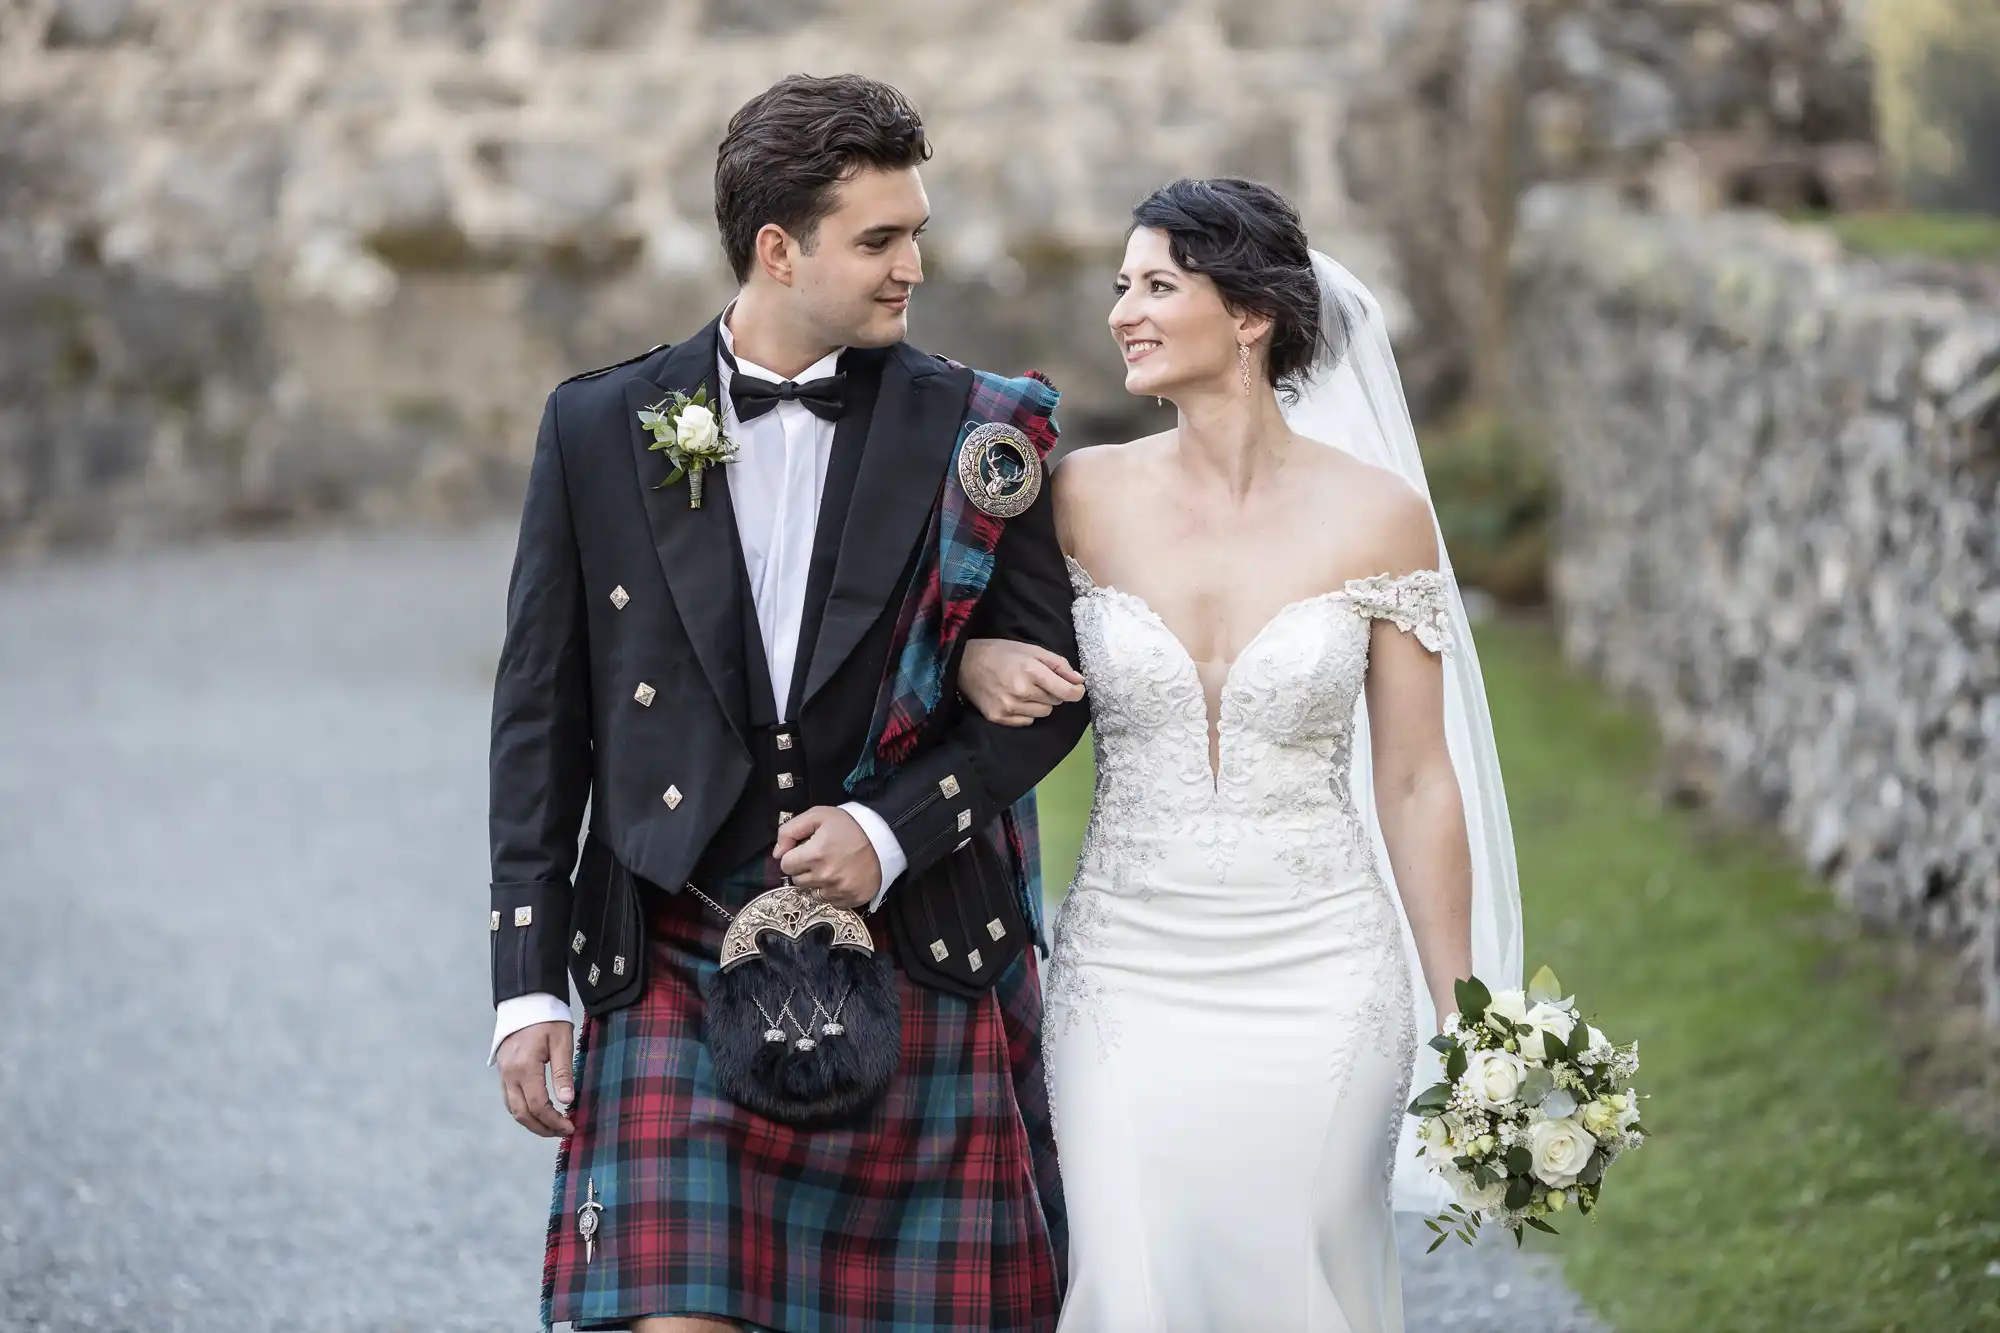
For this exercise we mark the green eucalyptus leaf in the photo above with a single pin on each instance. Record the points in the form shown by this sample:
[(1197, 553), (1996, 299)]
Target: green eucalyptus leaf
[(1434, 1098), (1519, 1160), (1554, 1049), (1434, 1244), (1443, 1043), (1539, 1225), (1473, 997), (1519, 1191), (1456, 1064)]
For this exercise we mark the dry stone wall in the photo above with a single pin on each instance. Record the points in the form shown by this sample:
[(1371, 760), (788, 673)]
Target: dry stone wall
[(1779, 470), (264, 257)]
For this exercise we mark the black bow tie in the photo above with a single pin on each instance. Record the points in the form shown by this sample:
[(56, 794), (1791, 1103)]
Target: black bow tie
[(754, 397)]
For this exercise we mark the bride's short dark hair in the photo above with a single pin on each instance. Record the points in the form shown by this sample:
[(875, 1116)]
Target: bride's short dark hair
[(1248, 240)]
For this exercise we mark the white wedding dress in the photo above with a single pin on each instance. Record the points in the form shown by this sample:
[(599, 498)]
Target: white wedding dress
[(1229, 1023)]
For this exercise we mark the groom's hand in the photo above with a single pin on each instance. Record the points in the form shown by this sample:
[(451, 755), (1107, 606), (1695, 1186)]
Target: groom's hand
[(827, 853), (525, 1059)]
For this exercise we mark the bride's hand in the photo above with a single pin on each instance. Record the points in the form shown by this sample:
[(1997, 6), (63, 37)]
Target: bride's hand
[(1013, 683)]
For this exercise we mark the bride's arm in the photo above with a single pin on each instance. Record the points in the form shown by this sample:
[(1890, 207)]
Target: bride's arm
[(1416, 789)]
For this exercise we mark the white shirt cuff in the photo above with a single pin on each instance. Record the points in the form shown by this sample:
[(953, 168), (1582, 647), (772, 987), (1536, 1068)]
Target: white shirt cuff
[(524, 1011), (887, 850)]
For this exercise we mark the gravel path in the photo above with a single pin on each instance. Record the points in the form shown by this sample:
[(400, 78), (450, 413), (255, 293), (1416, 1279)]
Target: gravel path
[(243, 1009)]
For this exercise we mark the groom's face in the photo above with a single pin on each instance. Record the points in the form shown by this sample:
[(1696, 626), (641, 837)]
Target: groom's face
[(853, 287)]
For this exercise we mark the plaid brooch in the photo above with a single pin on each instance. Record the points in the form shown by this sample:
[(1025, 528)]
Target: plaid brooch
[(946, 587)]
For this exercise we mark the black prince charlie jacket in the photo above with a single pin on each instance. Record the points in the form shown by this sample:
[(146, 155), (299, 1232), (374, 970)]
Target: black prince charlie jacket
[(633, 680)]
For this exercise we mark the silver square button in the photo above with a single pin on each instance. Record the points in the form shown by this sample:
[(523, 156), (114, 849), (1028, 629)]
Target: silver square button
[(948, 784), (786, 781), (976, 961), (964, 820), (619, 597), (644, 694), (784, 740), (595, 973), (938, 951), (576, 945), (995, 929), (524, 916), (618, 966), (494, 924), (672, 797)]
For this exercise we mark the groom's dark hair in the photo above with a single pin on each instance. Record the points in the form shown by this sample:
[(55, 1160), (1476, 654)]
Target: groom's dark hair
[(790, 146)]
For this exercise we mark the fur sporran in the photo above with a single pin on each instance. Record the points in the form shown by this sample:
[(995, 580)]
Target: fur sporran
[(803, 1019)]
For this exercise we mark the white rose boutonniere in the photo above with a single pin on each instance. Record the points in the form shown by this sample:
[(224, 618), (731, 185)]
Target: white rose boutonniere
[(688, 431)]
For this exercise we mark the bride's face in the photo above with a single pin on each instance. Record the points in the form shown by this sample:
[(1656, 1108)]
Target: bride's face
[(1171, 325)]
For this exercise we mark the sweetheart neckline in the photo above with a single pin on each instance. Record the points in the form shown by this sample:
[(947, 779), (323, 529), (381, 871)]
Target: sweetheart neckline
[(1211, 723)]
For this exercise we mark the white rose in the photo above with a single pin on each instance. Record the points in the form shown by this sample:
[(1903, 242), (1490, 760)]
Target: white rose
[(1508, 1004), (1561, 1148), (1547, 1018), (1494, 1077), (695, 429)]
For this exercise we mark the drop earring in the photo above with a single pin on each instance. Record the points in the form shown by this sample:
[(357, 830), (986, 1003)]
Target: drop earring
[(1243, 363)]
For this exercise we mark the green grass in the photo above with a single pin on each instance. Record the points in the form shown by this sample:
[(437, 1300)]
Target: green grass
[(1948, 236), (1789, 1187)]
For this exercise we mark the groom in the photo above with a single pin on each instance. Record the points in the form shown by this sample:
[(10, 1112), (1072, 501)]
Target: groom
[(708, 679)]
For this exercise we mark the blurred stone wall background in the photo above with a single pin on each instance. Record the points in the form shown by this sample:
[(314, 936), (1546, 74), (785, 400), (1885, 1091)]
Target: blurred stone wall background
[(1779, 470), (261, 259)]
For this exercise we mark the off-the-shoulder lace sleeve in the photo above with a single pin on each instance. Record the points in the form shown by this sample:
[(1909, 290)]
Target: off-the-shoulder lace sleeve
[(1418, 603)]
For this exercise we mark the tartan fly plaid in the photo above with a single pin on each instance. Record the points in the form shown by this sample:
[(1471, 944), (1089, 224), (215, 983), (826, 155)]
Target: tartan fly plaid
[(938, 1212), (949, 580)]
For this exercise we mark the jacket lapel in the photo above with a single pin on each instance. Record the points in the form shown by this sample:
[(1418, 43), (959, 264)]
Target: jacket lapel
[(698, 548), (863, 368), (912, 436)]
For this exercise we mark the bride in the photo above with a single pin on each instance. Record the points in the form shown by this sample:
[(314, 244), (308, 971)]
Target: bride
[(1299, 839)]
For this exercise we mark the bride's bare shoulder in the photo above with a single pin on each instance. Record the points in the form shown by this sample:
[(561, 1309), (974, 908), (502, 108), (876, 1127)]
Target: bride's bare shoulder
[(1390, 518), (1085, 478), (1097, 463)]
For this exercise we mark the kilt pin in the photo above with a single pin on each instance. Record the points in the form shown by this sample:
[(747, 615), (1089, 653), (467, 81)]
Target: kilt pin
[(940, 1210)]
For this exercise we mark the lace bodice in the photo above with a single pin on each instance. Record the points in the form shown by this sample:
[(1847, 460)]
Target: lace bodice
[(1284, 729)]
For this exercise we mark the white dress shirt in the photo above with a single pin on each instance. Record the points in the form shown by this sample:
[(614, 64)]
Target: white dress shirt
[(775, 486)]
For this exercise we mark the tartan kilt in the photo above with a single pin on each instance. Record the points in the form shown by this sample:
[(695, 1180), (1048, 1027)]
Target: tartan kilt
[(939, 1212)]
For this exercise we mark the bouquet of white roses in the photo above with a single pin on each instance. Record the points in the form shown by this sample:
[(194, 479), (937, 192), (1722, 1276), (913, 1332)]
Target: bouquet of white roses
[(1534, 1105)]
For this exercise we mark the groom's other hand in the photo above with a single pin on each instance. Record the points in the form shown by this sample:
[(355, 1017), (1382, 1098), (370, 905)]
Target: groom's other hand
[(526, 1059), (1014, 684), (826, 851)]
